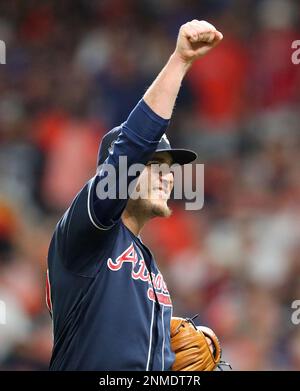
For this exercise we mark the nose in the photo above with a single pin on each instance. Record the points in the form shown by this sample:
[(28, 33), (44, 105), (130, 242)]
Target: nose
[(167, 180)]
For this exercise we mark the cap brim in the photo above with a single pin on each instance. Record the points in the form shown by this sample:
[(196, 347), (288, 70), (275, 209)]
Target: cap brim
[(180, 156)]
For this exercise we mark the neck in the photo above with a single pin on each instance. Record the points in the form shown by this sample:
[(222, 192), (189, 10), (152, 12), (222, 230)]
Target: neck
[(133, 222)]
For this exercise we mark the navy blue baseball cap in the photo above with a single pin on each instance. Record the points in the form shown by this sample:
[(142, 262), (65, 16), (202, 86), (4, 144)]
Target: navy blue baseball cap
[(179, 155)]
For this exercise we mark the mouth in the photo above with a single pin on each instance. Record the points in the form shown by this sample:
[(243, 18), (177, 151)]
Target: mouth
[(161, 188), (162, 191)]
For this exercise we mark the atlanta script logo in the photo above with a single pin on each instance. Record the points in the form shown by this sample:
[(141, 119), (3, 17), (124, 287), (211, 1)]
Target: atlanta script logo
[(142, 274)]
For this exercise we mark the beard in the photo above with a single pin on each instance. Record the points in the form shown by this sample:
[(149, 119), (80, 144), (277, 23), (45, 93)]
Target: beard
[(158, 209), (149, 208)]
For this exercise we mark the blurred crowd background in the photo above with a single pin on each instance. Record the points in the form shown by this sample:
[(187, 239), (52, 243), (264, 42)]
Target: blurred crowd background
[(74, 70)]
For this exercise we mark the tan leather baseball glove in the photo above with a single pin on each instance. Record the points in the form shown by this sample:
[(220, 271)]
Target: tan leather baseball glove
[(191, 345)]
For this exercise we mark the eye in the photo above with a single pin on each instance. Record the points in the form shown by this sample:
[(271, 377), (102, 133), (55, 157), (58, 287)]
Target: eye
[(152, 162)]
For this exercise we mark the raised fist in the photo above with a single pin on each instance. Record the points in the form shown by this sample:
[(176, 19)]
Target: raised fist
[(195, 39)]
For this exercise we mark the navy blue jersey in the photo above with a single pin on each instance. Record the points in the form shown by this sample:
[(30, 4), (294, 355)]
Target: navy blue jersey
[(110, 305)]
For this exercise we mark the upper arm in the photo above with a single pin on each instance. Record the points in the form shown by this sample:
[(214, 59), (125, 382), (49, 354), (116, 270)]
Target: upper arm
[(136, 142)]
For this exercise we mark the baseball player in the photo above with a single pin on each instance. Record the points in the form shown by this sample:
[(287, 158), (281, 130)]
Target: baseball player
[(110, 305)]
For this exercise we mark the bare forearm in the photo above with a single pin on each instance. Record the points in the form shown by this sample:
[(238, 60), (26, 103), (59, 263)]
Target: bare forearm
[(162, 93)]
